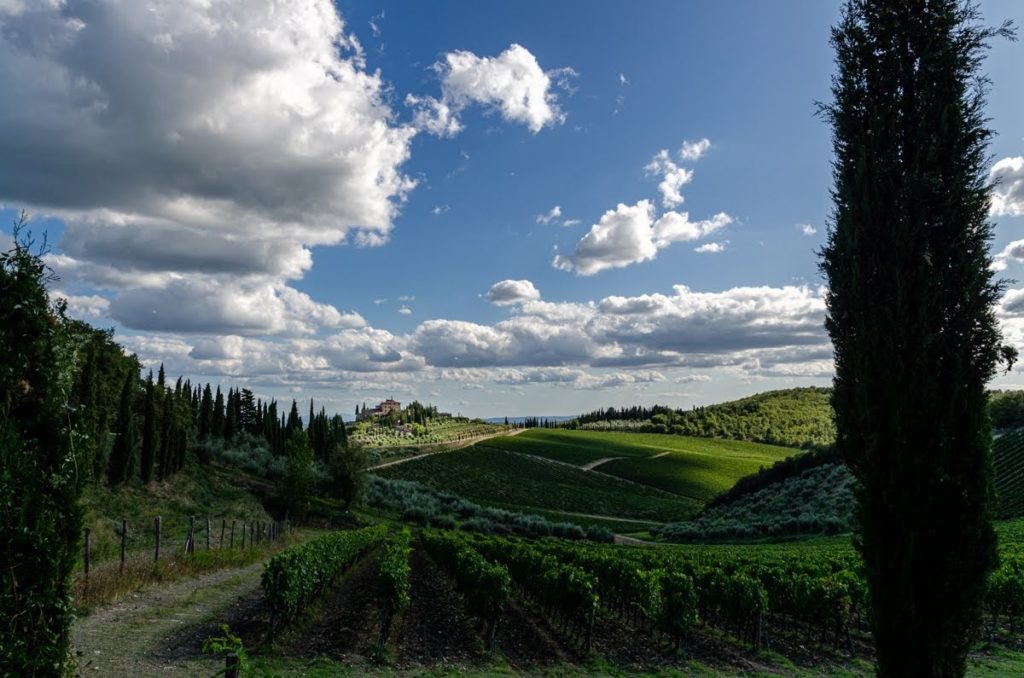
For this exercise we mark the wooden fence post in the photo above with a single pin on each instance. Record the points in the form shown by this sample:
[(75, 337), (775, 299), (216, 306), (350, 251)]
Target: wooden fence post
[(156, 530), (223, 525), (207, 534), (231, 665), (188, 538), (243, 535), (88, 548), (124, 540), (232, 535)]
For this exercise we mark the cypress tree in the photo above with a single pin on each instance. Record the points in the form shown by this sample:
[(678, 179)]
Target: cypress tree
[(206, 413), (165, 456), (911, 315), (294, 420), (231, 416), (119, 469), (217, 418), (148, 432)]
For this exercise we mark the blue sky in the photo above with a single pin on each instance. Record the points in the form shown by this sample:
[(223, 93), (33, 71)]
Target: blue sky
[(354, 201)]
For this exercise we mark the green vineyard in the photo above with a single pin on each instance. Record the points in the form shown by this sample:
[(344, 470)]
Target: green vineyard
[(759, 597), (1008, 462)]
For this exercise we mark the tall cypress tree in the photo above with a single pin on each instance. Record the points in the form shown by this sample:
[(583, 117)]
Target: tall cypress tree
[(910, 313), (206, 413), (217, 418), (121, 457), (148, 432)]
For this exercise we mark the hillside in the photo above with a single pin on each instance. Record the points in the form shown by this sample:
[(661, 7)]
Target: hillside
[(813, 494), (798, 417), (619, 475)]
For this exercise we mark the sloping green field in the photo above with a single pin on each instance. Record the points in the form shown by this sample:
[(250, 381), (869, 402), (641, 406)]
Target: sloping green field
[(698, 468), (650, 476), (497, 477)]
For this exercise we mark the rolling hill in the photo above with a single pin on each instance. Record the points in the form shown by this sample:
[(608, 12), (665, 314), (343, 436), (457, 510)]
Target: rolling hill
[(623, 475)]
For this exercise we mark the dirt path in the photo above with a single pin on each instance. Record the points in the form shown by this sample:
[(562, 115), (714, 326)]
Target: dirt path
[(649, 488), (597, 462), (130, 638), (450, 447)]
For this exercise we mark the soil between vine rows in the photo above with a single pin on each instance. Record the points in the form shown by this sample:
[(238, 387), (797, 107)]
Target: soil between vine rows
[(436, 628)]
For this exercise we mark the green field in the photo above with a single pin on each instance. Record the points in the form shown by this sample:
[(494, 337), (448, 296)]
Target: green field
[(497, 477), (515, 472), (698, 468)]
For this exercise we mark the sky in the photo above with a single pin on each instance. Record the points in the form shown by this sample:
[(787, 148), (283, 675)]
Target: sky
[(502, 208)]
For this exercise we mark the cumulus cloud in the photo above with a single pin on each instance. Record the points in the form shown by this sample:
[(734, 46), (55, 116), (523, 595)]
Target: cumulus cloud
[(211, 305), (711, 247), (693, 150), (405, 310), (551, 215), (673, 178), (1008, 194), (630, 234), (508, 292), (806, 229), (208, 139), (84, 307), (1012, 252), (511, 84)]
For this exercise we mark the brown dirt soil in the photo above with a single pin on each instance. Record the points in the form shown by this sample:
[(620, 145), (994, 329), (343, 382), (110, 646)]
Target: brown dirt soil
[(347, 622), (435, 629), (526, 644)]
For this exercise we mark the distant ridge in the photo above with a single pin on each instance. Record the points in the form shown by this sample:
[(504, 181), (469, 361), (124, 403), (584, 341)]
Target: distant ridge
[(557, 418)]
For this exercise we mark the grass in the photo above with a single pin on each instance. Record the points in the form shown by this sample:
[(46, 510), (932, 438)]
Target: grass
[(198, 491), (698, 468), (108, 583), (498, 477)]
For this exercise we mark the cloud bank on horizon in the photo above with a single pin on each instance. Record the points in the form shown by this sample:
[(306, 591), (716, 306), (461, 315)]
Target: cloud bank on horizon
[(200, 158)]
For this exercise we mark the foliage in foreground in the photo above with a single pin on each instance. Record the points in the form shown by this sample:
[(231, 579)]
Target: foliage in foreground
[(40, 478)]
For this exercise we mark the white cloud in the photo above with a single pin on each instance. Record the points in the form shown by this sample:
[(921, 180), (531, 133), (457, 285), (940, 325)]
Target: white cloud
[(551, 215), (208, 139), (806, 229), (375, 22), (440, 209), (1014, 251), (569, 223), (1008, 194), (508, 292), (209, 304), (673, 178), (623, 80), (693, 379), (405, 310), (512, 84), (630, 234), (711, 247), (84, 307), (693, 150)]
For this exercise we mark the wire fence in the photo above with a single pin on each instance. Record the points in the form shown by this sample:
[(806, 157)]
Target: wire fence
[(111, 540)]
